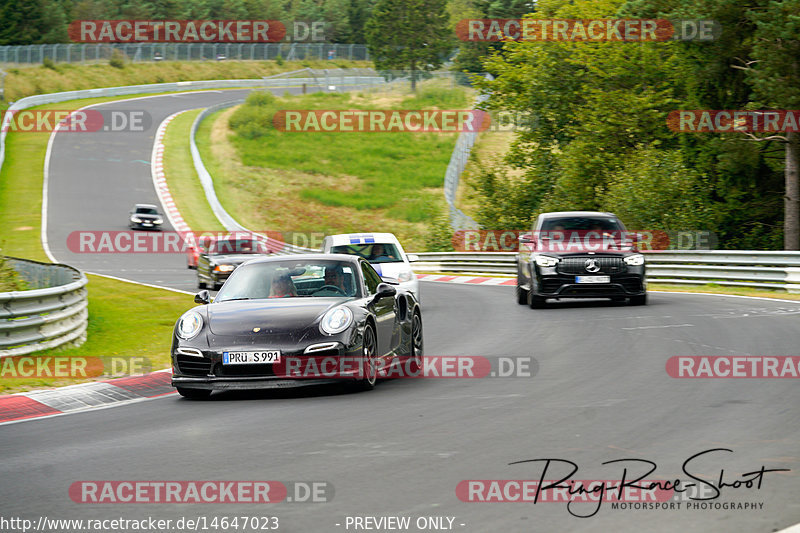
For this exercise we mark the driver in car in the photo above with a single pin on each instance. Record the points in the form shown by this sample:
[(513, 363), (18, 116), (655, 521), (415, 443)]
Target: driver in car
[(335, 278), (379, 253)]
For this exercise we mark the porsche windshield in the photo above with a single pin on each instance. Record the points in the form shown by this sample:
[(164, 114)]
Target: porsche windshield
[(291, 279)]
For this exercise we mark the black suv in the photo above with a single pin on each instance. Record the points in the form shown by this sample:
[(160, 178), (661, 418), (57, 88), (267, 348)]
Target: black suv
[(579, 254)]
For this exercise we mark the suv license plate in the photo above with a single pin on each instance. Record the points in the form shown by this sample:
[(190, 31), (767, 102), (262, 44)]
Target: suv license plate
[(592, 279), (250, 358)]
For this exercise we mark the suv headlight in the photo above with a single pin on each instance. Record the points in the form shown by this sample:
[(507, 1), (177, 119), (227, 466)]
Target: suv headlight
[(545, 260), (159, 220), (336, 320), (634, 260), (135, 219), (224, 268), (405, 276), (189, 325)]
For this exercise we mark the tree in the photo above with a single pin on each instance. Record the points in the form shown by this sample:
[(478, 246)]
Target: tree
[(775, 76), (408, 35), (32, 22)]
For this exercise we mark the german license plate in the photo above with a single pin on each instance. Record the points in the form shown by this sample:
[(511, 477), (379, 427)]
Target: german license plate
[(592, 279), (251, 358)]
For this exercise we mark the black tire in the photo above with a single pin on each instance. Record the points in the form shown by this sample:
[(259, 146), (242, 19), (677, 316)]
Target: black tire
[(201, 284), (417, 348), (194, 394), (370, 364), (639, 300), (536, 302), (522, 294)]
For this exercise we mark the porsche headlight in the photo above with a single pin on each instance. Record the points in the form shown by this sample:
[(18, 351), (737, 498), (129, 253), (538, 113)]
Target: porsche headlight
[(336, 320), (189, 325), (545, 260), (224, 268), (405, 276), (634, 260)]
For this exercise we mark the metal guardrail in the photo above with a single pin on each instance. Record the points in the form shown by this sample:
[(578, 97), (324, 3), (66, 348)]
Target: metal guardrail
[(737, 268), (458, 162), (89, 52), (54, 313)]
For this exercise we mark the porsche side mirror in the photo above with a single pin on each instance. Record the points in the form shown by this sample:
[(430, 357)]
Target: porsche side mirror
[(202, 297), (384, 291)]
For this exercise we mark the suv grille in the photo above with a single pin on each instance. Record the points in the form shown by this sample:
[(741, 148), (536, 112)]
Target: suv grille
[(577, 265)]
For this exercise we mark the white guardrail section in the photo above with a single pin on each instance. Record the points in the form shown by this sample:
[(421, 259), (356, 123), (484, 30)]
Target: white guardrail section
[(53, 313), (766, 270)]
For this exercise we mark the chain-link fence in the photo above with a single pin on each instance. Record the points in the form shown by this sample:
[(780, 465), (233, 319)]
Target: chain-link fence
[(88, 53), (458, 162)]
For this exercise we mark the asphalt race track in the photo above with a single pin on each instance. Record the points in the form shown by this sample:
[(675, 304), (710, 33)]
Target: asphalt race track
[(600, 392)]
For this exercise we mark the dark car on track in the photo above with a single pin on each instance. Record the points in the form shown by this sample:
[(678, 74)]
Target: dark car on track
[(579, 254), (145, 216), (284, 320), (218, 257)]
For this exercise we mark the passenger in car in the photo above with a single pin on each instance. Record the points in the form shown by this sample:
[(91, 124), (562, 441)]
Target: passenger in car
[(282, 287)]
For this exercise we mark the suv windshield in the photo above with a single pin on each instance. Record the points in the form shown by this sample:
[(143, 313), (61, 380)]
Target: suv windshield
[(374, 253), (581, 224), (146, 211)]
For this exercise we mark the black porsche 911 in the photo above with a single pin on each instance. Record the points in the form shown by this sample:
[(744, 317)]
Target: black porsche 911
[(284, 319)]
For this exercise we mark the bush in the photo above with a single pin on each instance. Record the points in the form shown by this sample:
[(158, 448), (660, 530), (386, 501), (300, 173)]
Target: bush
[(49, 63), (439, 234), (117, 59), (279, 59)]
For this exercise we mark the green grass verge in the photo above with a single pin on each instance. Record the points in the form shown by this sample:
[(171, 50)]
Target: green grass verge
[(391, 168), (184, 186), (125, 319), (324, 183)]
